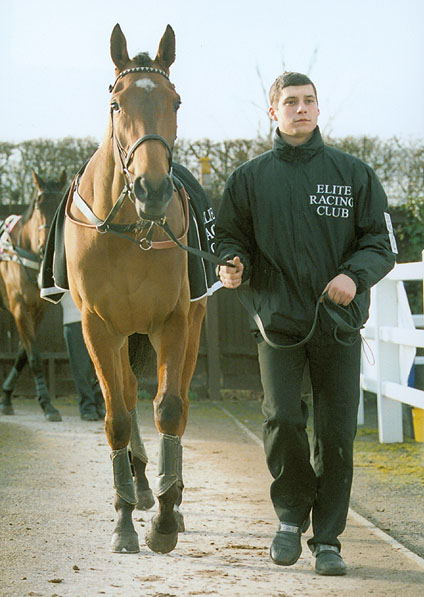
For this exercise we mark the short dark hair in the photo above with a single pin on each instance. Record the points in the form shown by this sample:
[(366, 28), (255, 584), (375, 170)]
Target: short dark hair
[(286, 80)]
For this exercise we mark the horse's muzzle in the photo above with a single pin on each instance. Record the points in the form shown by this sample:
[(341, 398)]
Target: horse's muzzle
[(152, 201)]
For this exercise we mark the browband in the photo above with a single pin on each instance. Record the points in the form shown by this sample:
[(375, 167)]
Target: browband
[(139, 69)]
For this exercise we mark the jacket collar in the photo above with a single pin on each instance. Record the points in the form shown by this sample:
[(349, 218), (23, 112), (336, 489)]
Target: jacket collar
[(303, 152)]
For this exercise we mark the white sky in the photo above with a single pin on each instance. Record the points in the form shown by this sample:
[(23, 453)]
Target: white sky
[(365, 57)]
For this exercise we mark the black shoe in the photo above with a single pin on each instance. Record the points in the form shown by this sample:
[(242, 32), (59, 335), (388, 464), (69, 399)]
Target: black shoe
[(90, 416), (286, 546), (328, 561)]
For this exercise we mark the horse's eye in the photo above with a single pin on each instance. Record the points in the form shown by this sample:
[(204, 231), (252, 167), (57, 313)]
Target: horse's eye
[(177, 104), (115, 106)]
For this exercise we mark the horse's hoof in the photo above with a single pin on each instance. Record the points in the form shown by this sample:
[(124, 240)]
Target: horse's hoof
[(7, 409), (159, 542), (51, 413), (180, 519), (125, 542), (145, 500)]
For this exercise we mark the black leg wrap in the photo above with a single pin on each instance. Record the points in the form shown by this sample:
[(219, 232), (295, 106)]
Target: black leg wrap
[(122, 477), (169, 449)]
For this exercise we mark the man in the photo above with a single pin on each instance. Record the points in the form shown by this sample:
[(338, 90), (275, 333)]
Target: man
[(301, 221), (90, 399)]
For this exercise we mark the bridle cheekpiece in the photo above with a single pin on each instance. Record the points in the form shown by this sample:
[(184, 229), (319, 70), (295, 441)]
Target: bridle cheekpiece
[(124, 156)]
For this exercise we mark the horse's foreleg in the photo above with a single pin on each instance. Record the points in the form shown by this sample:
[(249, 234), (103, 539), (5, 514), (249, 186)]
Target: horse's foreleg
[(120, 395), (10, 381), (162, 533), (171, 410)]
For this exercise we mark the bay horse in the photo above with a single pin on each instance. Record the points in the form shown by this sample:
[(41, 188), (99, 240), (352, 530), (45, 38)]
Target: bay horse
[(114, 215), (22, 244)]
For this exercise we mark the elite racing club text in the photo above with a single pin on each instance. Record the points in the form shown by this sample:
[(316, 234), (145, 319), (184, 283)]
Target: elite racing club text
[(332, 201)]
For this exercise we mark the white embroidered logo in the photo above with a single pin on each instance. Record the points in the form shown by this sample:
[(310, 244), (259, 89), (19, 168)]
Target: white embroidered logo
[(209, 222), (333, 201)]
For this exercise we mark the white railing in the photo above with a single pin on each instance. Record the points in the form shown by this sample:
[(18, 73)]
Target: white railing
[(391, 335)]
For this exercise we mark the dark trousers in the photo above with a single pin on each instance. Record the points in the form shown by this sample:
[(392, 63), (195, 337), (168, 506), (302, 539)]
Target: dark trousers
[(82, 369), (298, 485)]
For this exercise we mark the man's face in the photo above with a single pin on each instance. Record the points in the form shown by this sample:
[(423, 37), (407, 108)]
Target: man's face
[(296, 113)]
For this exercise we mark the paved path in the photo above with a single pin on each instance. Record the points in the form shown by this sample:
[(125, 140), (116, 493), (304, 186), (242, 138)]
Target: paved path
[(56, 519)]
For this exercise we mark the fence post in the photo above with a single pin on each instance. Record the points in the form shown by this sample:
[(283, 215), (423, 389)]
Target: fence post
[(389, 411), (361, 408), (422, 259)]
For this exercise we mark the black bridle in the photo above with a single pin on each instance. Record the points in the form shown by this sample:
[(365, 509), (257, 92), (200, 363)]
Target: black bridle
[(125, 157), (122, 230)]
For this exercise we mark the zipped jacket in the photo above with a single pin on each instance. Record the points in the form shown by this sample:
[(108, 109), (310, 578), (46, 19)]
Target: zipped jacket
[(297, 216)]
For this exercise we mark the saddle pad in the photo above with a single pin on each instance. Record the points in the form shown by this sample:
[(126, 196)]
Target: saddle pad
[(6, 227)]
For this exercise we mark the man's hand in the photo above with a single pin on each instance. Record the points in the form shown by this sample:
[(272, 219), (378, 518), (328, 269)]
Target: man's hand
[(231, 276), (341, 290)]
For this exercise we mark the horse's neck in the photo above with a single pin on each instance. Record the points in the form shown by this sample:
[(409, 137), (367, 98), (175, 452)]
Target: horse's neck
[(26, 235), (101, 183)]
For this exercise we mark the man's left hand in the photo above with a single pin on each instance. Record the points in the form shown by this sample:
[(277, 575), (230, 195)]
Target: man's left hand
[(341, 290)]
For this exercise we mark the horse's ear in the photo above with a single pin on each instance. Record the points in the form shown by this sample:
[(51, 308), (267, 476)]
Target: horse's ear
[(166, 52), (118, 49), (62, 179), (38, 181)]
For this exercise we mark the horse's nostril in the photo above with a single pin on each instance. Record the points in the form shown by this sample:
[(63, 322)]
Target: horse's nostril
[(144, 190), (141, 189)]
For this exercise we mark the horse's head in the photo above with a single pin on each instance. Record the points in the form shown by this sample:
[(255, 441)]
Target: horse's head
[(41, 211), (144, 107)]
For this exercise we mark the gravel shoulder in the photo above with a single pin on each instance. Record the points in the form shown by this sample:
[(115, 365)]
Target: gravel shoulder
[(56, 515)]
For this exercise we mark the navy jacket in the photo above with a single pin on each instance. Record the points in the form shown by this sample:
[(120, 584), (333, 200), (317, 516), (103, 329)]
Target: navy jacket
[(297, 216)]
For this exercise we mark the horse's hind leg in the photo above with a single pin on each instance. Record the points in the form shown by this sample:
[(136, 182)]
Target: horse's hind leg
[(145, 499), (27, 324), (10, 381), (51, 413)]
